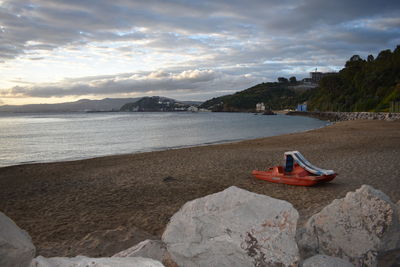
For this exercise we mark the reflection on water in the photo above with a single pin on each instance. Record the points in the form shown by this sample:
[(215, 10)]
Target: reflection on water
[(67, 136)]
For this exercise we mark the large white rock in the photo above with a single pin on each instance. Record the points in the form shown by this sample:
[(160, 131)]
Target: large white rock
[(82, 261), (325, 261), (153, 249), (234, 227), (16, 248), (357, 228)]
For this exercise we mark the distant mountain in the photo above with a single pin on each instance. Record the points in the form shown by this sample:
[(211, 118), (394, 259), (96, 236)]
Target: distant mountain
[(158, 103), (106, 104), (85, 105)]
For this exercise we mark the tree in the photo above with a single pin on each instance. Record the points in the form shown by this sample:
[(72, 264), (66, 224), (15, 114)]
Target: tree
[(361, 85), (355, 58), (397, 50), (293, 80), (384, 54), (283, 80), (355, 61)]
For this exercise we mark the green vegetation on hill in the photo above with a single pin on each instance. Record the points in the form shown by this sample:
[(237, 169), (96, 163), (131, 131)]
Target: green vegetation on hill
[(274, 95), (155, 103), (362, 85)]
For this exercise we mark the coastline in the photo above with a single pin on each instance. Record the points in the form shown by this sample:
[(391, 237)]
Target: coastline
[(222, 142), (108, 147), (61, 203)]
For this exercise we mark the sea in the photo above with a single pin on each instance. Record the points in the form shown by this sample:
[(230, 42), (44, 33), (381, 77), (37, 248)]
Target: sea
[(32, 138)]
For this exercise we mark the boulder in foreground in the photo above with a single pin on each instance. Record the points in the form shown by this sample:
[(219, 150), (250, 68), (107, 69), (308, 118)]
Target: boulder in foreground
[(82, 261), (16, 248), (325, 261), (234, 227), (359, 228)]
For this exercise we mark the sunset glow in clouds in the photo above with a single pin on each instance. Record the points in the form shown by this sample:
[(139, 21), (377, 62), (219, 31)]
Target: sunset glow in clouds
[(56, 51)]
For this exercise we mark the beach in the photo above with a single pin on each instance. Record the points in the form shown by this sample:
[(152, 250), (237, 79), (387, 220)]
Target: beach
[(99, 206)]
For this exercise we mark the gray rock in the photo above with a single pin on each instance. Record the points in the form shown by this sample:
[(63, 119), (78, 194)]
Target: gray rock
[(82, 261), (350, 116), (16, 248), (234, 227), (357, 228), (325, 261), (153, 249)]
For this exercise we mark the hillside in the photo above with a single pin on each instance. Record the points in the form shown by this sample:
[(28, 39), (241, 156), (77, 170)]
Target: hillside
[(274, 95), (362, 85), (156, 103)]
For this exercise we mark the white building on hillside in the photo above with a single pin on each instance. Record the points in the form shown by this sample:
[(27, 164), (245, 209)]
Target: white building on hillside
[(193, 109), (260, 107)]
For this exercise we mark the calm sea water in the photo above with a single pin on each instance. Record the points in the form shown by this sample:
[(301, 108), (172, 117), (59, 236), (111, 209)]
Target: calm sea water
[(31, 138)]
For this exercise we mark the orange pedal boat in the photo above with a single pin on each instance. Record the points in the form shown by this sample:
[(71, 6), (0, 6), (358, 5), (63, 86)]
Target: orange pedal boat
[(297, 171)]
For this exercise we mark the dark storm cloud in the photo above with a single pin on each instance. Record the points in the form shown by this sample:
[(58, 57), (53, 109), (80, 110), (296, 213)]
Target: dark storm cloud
[(312, 14), (264, 38), (56, 23)]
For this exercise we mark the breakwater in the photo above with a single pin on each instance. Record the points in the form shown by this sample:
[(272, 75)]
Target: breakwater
[(348, 116)]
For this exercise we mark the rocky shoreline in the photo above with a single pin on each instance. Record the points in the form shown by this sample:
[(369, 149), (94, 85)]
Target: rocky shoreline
[(236, 227), (348, 116)]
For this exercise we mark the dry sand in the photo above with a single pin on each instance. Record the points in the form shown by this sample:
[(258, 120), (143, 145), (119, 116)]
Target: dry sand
[(70, 207)]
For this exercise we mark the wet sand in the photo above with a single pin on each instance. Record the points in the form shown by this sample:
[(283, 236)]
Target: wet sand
[(69, 208)]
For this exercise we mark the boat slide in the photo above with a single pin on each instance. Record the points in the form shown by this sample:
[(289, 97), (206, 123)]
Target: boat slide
[(295, 171), (304, 163)]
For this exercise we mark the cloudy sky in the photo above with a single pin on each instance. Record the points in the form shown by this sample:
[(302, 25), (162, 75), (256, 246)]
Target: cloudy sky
[(55, 51)]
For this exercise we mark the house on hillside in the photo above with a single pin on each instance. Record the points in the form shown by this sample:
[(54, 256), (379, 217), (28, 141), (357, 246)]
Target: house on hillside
[(316, 76), (193, 109), (302, 107), (260, 107)]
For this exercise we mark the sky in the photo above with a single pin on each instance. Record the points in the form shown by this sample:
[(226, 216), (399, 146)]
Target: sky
[(56, 51)]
